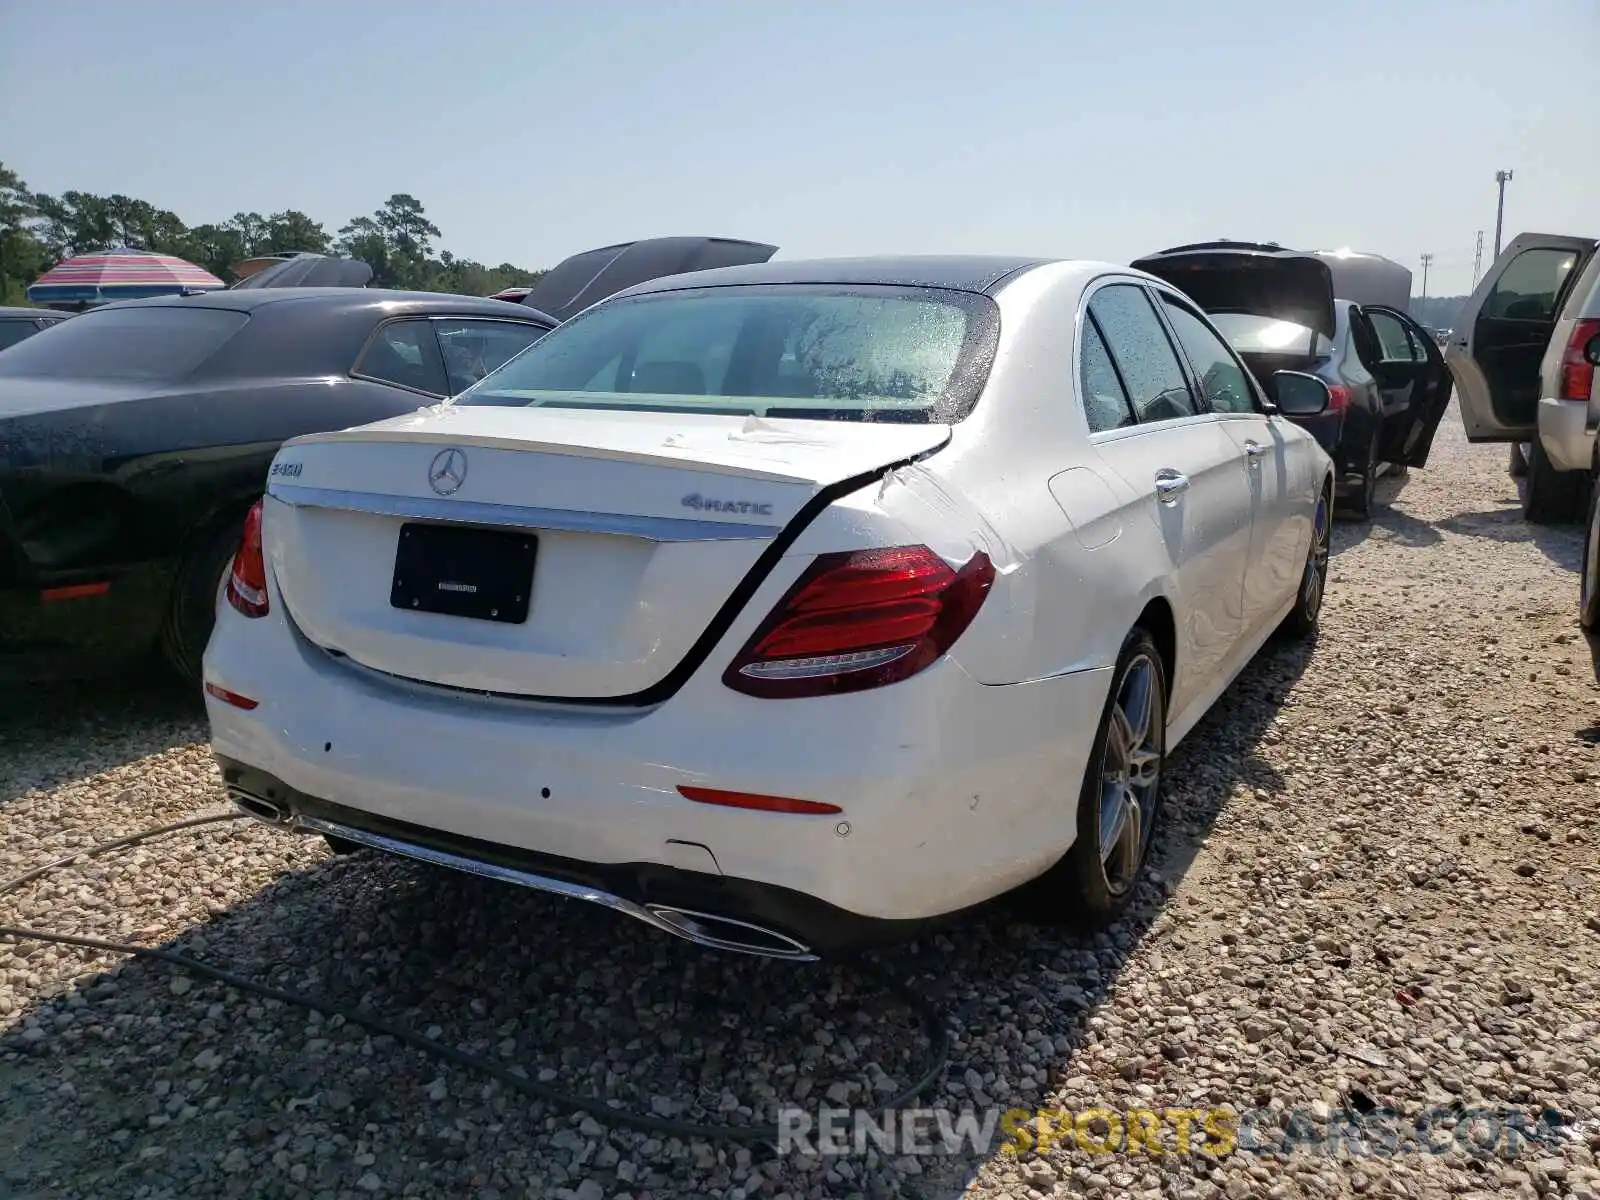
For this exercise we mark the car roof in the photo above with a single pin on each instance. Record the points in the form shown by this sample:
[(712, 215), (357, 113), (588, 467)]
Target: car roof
[(19, 311), (338, 299), (965, 273)]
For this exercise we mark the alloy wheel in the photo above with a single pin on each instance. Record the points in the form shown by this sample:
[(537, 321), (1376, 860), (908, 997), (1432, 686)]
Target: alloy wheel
[(1314, 581), (1131, 773)]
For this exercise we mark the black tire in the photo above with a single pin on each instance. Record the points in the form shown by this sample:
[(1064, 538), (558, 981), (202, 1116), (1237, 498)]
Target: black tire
[(1518, 467), (1361, 502), (1079, 889), (1589, 573), (193, 609), (1552, 497), (1302, 621), (340, 845)]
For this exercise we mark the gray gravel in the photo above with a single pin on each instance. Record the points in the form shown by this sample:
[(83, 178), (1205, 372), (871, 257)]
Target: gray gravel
[(1378, 887)]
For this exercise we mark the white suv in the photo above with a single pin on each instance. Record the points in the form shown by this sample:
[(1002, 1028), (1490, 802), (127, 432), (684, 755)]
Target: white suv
[(1520, 354)]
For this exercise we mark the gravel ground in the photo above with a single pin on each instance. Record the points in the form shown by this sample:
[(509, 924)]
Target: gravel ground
[(1378, 887)]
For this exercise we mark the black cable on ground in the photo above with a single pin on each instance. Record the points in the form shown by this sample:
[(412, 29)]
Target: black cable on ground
[(599, 1108)]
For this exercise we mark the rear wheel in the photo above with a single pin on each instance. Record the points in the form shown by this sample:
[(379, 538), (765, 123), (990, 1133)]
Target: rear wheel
[(1589, 574), (1553, 497), (1302, 619), (193, 609), (1120, 800), (1519, 462)]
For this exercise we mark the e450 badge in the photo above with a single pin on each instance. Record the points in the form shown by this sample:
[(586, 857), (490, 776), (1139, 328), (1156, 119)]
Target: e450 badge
[(284, 470)]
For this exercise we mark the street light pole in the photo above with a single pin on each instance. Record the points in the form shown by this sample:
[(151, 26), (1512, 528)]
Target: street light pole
[(1502, 178), (1427, 260)]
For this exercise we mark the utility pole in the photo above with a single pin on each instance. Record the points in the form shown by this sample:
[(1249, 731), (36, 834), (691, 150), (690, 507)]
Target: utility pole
[(1427, 260), (1477, 259), (1502, 178)]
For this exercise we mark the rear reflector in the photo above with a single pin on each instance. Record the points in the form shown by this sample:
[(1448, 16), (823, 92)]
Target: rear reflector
[(233, 698), (861, 619), (1577, 363), (777, 804), (76, 591)]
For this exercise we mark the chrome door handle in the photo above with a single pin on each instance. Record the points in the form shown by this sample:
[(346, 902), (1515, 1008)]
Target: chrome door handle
[(1170, 485), (1255, 449)]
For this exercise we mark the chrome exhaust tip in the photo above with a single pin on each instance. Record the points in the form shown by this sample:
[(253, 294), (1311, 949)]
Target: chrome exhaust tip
[(703, 929), (268, 812), (726, 933)]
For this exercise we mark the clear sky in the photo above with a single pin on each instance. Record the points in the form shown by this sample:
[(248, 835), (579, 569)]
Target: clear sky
[(531, 129)]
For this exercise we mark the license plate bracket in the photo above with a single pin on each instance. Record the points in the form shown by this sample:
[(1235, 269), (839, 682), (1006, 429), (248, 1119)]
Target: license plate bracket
[(463, 571)]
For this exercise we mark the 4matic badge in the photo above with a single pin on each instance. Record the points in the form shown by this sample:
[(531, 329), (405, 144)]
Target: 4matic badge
[(706, 504)]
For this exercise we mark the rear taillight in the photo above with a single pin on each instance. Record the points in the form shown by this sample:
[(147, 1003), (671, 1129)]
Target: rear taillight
[(247, 583), (1577, 362), (860, 620), (1338, 398)]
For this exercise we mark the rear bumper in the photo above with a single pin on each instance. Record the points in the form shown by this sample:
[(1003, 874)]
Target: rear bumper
[(776, 922), (1564, 433), (952, 791)]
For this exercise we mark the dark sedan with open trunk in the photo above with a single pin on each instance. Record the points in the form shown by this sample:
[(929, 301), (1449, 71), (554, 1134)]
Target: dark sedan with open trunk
[(1284, 310)]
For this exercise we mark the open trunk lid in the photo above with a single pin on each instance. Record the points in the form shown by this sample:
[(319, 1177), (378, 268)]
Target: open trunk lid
[(552, 553), (1244, 277), (575, 283)]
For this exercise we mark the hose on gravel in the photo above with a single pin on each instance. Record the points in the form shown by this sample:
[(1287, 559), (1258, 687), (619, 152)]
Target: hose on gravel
[(598, 1107)]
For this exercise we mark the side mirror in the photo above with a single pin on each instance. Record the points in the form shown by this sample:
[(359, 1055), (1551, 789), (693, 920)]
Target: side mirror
[(1299, 394)]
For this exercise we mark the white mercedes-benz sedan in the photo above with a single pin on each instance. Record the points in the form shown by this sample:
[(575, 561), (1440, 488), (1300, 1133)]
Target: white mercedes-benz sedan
[(783, 607)]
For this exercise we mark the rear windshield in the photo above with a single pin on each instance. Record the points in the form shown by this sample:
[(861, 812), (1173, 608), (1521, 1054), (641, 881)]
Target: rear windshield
[(1249, 333), (162, 342), (799, 351)]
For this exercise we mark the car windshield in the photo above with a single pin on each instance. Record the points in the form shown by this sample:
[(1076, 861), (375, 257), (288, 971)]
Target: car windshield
[(156, 342), (1251, 333), (799, 351)]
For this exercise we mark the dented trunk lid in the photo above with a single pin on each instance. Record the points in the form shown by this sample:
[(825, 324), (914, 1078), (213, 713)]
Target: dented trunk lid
[(639, 529)]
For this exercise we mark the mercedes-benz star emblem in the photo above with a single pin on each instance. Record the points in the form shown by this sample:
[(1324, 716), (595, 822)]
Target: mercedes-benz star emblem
[(447, 472)]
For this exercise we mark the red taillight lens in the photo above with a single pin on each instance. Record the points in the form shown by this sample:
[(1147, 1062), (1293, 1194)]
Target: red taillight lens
[(247, 584), (1577, 369), (860, 620), (1338, 398)]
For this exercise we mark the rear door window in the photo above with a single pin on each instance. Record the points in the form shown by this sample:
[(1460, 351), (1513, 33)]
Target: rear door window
[(1222, 379), (1529, 287), (155, 342), (405, 353), (1394, 339), (1105, 403), (1142, 352), (472, 349), (12, 332)]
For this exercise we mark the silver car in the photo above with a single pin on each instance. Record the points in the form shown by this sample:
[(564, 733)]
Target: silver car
[(1520, 357)]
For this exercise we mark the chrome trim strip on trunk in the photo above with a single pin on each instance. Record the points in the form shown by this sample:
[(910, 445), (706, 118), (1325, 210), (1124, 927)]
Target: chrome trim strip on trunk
[(653, 529), (679, 922)]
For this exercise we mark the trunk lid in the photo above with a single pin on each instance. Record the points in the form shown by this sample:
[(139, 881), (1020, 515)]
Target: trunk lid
[(575, 283), (406, 545), (1237, 277)]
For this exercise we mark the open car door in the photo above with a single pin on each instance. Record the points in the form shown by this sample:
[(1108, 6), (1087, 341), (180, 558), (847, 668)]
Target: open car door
[(575, 283), (1500, 338), (1411, 361)]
